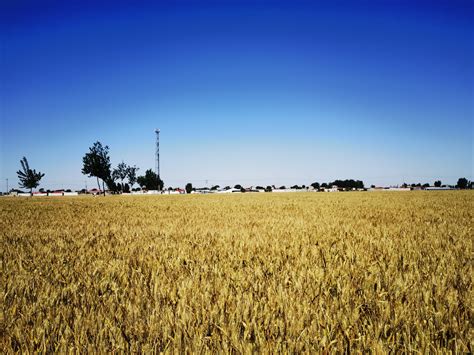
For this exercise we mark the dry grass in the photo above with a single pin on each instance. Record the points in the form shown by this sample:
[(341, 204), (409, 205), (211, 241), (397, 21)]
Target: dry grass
[(238, 273)]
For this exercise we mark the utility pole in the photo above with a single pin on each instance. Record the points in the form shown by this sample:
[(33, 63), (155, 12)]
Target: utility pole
[(7, 185), (157, 153)]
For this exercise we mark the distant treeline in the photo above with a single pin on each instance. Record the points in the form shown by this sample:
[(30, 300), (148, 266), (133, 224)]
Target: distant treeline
[(345, 184)]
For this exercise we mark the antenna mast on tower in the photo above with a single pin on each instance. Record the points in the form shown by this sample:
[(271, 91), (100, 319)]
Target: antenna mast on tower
[(157, 153)]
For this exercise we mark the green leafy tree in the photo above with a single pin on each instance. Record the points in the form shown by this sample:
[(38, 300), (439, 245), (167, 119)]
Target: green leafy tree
[(29, 178), (462, 183), (120, 173), (150, 180), (141, 181), (189, 188), (437, 183), (112, 186), (348, 184), (96, 164), (132, 175)]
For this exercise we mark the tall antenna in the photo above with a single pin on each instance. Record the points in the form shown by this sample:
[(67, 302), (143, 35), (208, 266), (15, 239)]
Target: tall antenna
[(157, 153)]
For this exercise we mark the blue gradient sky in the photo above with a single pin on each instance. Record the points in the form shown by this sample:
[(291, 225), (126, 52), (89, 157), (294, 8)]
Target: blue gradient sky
[(261, 92)]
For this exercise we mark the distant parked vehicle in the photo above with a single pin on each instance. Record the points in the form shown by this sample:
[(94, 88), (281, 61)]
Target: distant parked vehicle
[(94, 191)]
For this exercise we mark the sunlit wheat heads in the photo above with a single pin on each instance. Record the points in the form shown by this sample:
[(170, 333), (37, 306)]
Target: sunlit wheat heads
[(295, 272)]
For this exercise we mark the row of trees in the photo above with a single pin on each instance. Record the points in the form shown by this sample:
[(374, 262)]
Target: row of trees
[(339, 183), (462, 183), (96, 163)]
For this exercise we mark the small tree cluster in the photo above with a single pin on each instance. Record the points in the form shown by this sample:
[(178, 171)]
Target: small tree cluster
[(150, 181), (345, 184), (96, 163), (122, 172), (463, 183)]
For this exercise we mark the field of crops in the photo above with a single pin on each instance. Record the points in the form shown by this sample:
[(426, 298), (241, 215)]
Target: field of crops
[(235, 273)]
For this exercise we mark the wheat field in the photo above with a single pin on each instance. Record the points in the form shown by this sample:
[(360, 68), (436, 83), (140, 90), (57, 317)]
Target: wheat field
[(295, 272)]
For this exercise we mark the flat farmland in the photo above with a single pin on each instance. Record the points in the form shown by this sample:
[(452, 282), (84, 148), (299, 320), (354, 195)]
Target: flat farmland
[(293, 272)]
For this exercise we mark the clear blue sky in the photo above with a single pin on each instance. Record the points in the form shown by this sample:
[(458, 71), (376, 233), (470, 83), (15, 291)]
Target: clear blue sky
[(250, 92)]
